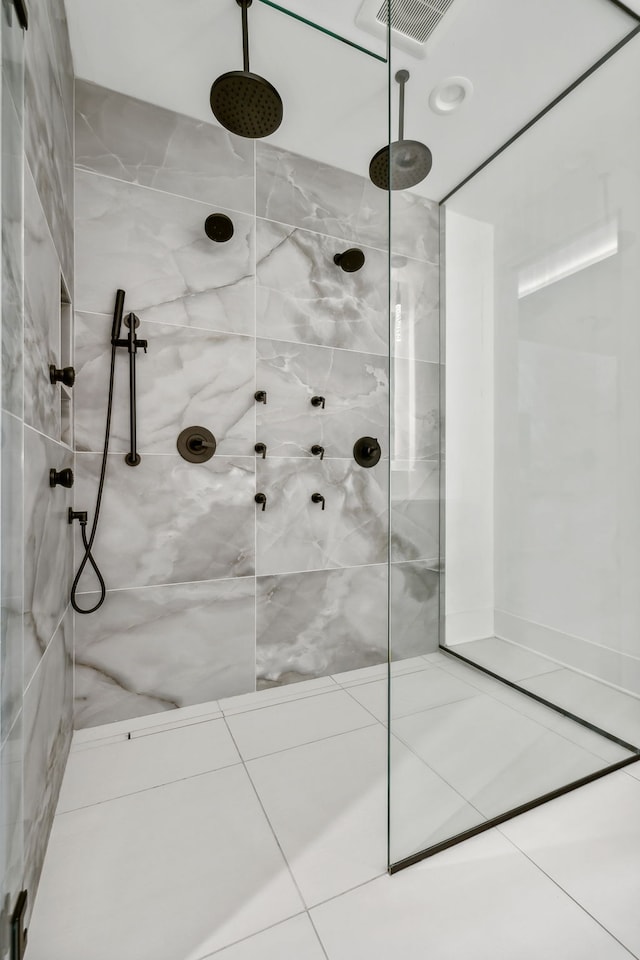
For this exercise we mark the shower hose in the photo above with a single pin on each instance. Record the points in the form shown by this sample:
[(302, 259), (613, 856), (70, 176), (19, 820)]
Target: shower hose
[(88, 542)]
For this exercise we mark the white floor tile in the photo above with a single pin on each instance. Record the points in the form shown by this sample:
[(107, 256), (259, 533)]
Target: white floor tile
[(380, 671), (290, 724), (266, 698), (481, 900), (595, 743), (496, 758), (614, 711), (411, 692), (175, 872), (113, 770), (504, 658), (135, 726), (294, 939), (589, 843)]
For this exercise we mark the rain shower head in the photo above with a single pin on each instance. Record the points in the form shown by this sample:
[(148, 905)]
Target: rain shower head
[(404, 162), (243, 102)]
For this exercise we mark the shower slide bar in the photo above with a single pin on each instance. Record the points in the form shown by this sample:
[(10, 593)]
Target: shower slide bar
[(133, 344)]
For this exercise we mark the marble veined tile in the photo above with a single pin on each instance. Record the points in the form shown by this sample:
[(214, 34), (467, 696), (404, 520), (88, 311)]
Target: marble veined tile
[(12, 566), (415, 510), (153, 246), (63, 57), (321, 622), (48, 538), (293, 533), (41, 317), (12, 256), (415, 309), (48, 140), (355, 387), (188, 377), (12, 39), (302, 295), (157, 648), (305, 193), (415, 609), (132, 140), (11, 825), (415, 410), (169, 521), (48, 707)]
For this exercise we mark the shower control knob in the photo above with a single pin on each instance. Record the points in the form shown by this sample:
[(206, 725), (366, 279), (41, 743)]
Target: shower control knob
[(317, 451), (66, 375), (62, 478), (260, 396), (261, 449), (317, 498), (351, 260), (317, 402), (261, 498)]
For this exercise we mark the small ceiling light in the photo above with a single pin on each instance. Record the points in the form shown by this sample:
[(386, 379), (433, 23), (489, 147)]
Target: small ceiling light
[(450, 94)]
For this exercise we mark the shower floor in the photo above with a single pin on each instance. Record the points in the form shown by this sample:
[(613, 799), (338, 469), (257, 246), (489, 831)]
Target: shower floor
[(256, 826)]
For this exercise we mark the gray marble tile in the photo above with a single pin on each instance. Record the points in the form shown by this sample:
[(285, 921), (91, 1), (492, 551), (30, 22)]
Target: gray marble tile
[(319, 623), (62, 58), (415, 510), (12, 572), (48, 553), (48, 726), (154, 649), (11, 838), (153, 245), (414, 618), (187, 377), (295, 534), (136, 141), (41, 317), (302, 295), (315, 196), (48, 142), (12, 39), (12, 258), (415, 309), (169, 521), (355, 387), (415, 410)]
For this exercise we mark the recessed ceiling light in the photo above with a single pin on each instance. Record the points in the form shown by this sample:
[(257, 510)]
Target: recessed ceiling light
[(450, 94)]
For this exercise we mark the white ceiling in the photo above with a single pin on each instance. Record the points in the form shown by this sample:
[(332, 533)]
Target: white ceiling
[(519, 54)]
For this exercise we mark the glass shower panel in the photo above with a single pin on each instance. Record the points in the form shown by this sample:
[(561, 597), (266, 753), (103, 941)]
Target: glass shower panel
[(530, 683)]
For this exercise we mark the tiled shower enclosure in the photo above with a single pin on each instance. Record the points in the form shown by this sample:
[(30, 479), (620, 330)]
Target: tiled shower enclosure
[(209, 596)]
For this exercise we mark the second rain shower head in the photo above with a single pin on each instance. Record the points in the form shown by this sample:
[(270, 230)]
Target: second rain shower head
[(243, 102), (404, 163)]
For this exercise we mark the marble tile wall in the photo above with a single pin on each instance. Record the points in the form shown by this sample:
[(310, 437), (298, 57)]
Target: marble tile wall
[(37, 246), (270, 310)]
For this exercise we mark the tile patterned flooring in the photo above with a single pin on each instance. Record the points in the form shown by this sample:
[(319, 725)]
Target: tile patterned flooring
[(255, 828)]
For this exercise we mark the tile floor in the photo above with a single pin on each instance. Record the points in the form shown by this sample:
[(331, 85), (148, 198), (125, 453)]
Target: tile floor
[(255, 828)]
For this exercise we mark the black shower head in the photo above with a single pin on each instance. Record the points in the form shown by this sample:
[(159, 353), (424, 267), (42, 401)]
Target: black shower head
[(404, 163), (243, 102), (218, 227)]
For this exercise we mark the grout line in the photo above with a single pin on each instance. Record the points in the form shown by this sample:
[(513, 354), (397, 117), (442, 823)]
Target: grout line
[(45, 436), (557, 884), (307, 743), (250, 936)]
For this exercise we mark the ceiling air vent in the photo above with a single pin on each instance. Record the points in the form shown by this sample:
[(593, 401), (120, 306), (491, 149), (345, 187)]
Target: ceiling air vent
[(412, 21)]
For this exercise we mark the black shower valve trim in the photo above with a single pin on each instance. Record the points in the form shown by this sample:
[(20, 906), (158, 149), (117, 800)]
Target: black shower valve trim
[(261, 449), (318, 498), (261, 498), (61, 478), (260, 396), (317, 451), (318, 402), (66, 375)]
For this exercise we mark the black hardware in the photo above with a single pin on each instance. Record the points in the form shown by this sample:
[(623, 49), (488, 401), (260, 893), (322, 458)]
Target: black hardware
[(80, 515), (218, 227), (196, 444), (318, 498), (132, 344), (317, 402), (317, 451), (62, 478), (403, 163), (18, 929), (21, 13), (261, 448), (261, 498), (67, 375), (260, 396), (351, 260), (366, 451)]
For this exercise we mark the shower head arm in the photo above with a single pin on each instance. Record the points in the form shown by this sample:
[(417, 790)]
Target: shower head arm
[(245, 4), (401, 76)]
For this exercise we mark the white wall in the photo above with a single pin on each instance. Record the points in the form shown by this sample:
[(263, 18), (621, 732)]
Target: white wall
[(469, 538)]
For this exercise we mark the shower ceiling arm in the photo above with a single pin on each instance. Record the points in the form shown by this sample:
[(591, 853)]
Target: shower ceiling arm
[(245, 4), (401, 76)]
